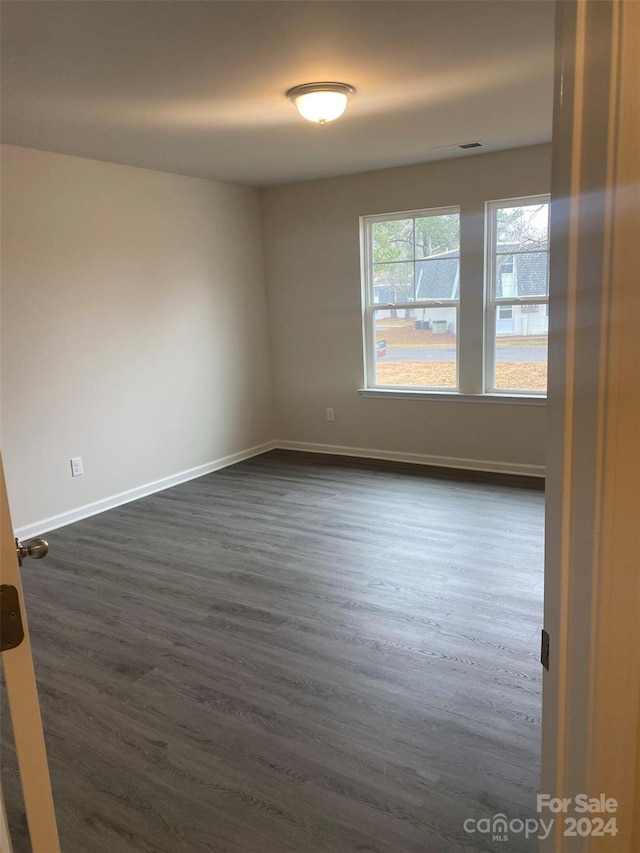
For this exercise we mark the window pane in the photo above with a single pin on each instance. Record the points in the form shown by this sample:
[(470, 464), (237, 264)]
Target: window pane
[(521, 348), (392, 240), (393, 282), (437, 278), (437, 235), (523, 226), (416, 347), (524, 274)]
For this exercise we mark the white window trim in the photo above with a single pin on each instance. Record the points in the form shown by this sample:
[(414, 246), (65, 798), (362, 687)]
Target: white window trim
[(503, 399), (492, 303), (369, 307)]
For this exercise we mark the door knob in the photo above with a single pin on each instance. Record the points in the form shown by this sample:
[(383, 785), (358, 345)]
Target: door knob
[(36, 548)]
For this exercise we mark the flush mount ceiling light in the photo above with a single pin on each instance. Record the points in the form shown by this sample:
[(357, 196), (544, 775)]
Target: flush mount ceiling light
[(321, 102)]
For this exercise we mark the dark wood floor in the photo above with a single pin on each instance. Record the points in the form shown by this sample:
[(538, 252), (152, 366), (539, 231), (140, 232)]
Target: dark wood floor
[(293, 655)]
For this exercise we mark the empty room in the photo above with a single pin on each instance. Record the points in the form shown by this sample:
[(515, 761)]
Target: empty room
[(285, 363)]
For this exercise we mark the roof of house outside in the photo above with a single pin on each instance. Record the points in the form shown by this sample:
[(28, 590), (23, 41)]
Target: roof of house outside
[(530, 268), (437, 277)]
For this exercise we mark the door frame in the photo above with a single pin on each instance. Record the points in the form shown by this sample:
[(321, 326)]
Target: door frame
[(591, 695)]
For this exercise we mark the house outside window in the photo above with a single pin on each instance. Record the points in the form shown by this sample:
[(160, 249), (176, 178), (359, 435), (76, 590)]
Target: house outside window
[(413, 302)]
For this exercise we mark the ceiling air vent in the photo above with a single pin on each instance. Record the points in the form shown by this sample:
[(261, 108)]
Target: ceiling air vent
[(466, 145)]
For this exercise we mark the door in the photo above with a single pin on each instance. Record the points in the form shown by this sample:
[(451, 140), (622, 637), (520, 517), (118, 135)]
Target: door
[(22, 695), (505, 320)]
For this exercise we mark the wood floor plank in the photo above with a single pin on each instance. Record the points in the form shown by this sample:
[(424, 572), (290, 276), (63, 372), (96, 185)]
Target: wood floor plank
[(297, 654)]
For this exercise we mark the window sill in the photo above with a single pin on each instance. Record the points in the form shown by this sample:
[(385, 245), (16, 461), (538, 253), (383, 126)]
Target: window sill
[(455, 397)]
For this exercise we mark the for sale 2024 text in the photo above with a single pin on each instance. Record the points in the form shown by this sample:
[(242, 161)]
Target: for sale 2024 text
[(583, 815)]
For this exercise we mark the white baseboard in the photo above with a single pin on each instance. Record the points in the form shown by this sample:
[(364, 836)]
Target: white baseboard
[(417, 458), (37, 528)]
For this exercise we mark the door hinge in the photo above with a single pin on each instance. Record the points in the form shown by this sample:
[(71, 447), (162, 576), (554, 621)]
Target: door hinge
[(544, 650), (11, 630)]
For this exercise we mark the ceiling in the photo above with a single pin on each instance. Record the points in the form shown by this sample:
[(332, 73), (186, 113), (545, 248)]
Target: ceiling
[(197, 88)]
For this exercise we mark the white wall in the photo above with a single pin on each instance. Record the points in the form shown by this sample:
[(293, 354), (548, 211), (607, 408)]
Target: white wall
[(313, 280), (134, 330)]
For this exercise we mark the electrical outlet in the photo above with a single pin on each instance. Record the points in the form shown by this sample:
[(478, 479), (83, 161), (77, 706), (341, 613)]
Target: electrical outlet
[(76, 467), (331, 416)]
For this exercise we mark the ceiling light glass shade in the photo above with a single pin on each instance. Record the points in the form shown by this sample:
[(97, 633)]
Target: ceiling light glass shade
[(321, 102)]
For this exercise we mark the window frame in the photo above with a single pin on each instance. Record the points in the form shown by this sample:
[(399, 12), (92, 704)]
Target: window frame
[(369, 307), (476, 310), (493, 303)]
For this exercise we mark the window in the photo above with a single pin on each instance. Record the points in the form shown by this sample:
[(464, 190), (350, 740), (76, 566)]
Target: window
[(516, 318), (411, 297), (415, 305)]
